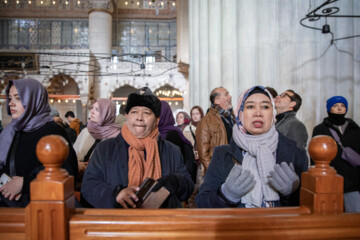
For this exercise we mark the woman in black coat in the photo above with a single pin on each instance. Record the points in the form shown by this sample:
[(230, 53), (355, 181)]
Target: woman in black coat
[(173, 134), (348, 133), (28, 106), (260, 167)]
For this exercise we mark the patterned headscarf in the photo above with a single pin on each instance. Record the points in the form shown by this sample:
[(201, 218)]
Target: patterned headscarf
[(186, 120), (35, 100), (106, 128), (241, 101)]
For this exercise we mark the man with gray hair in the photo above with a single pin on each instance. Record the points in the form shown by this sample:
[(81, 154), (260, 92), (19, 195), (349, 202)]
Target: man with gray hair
[(216, 127)]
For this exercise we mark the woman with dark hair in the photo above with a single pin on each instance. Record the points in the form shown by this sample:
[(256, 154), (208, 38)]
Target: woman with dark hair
[(189, 132), (28, 106), (347, 134), (182, 120), (173, 134), (260, 167), (196, 114)]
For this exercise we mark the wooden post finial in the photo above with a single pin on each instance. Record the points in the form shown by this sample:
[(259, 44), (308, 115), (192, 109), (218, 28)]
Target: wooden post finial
[(52, 150), (322, 150), (321, 188), (51, 193)]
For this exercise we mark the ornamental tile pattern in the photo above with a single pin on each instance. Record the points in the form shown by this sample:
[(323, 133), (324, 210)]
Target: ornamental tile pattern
[(56, 33)]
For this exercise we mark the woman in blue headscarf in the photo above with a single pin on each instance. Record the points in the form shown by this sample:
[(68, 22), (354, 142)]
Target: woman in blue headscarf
[(28, 106), (260, 167), (347, 133)]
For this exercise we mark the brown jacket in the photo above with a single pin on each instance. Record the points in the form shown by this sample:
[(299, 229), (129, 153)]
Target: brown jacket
[(75, 124), (210, 133)]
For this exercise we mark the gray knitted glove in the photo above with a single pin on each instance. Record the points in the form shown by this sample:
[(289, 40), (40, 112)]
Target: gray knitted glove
[(237, 183), (284, 178)]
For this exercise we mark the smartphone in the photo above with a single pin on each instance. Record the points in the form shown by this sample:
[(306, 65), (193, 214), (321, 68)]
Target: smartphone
[(6, 178)]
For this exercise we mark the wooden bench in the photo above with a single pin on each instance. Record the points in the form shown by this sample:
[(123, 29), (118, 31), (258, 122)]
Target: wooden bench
[(51, 213)]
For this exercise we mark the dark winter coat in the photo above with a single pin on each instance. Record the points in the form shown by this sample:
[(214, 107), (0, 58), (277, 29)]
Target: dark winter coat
[(186, 150), (223, 161), (27, 164), (350, 138), (291, 127), (108, 171)]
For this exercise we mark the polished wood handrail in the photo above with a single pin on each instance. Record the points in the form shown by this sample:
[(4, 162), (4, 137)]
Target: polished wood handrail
[(51, 213)]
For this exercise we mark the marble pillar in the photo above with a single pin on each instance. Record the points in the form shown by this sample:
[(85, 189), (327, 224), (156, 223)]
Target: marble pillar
[(241, 43), (182, 28), (100, 27)]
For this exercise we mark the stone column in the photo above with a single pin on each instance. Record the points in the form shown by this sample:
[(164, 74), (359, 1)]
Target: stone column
[(213, 58), (182, 28), (100, 36), (239, 44)]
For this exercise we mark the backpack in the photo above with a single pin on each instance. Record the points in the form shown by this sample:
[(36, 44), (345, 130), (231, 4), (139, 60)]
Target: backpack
[(82, 126), (71, 133)]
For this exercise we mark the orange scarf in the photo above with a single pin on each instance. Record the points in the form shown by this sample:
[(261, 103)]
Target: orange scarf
[(139, 168)]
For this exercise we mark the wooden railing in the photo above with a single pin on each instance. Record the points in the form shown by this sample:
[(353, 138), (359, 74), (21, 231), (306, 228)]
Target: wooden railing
[(51, 213)]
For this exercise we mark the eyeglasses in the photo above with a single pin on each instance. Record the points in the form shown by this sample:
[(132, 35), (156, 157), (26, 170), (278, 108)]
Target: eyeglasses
[(286, 94)]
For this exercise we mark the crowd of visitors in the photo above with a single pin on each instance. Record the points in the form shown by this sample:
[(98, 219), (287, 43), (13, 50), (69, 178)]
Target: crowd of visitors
[(246, 155)]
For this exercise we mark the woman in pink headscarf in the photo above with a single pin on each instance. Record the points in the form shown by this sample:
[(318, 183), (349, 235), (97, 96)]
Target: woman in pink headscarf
[(101, 125)]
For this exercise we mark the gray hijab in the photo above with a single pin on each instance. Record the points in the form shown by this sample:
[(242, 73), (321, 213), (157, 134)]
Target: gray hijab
[(35, 100)]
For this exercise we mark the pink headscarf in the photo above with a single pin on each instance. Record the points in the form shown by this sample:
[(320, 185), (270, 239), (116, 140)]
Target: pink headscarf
[(240, 106), (106, 128)]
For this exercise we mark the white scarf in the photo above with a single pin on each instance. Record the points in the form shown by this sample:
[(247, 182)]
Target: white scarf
[(260, 160)]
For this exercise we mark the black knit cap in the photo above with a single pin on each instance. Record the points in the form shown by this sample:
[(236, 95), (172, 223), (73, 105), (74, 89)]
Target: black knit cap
[(143, 97)]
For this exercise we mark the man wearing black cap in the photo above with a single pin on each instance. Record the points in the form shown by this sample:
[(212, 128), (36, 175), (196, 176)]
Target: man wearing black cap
[(119, 165)]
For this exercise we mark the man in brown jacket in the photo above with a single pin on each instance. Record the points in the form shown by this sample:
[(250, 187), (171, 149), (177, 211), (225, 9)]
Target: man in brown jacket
[(216, 127), (74, 122)]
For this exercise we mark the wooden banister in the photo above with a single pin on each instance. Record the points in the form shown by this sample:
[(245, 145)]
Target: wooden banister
[(205, 224), (51, 213), (12, 223)]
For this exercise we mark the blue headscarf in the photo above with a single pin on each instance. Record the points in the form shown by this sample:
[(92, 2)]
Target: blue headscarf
[(35, 100)]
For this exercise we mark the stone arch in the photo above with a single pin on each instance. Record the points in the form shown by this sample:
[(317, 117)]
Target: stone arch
[(61, 85), (172, 95)]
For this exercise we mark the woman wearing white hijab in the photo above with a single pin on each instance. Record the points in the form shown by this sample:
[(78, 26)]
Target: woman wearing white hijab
[(260, 167)]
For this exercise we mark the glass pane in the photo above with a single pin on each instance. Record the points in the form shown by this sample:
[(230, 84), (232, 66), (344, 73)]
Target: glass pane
[(85, 34), (123, 33), (76, 38), (24, 33), (13, 32), (137, 33), (173, 33), (164, 34), (66, 33), (2, 32), (44, 33), (152, 31)]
